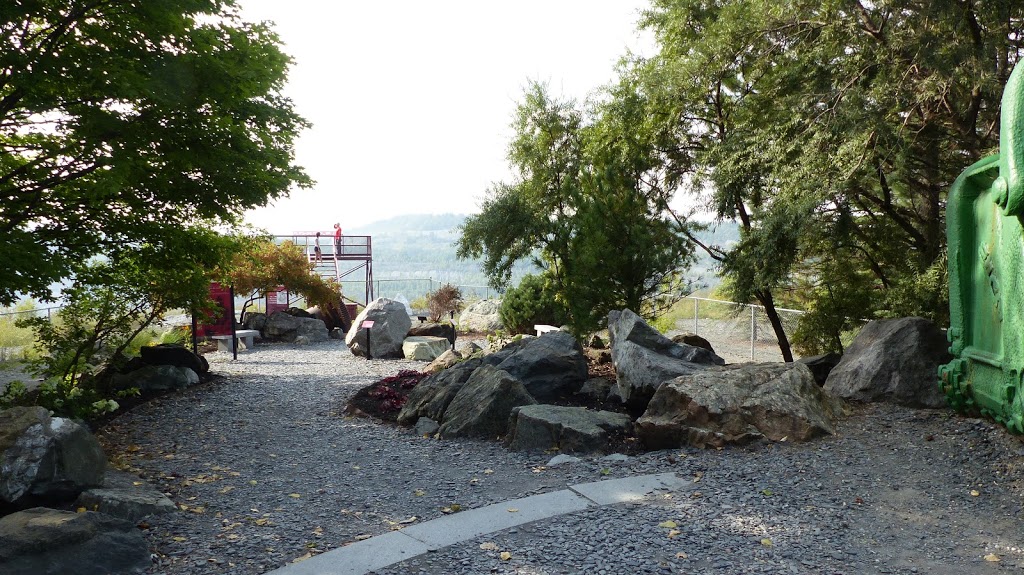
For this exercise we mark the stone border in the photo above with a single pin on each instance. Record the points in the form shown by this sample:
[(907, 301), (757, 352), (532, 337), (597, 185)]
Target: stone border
[(390, 548)]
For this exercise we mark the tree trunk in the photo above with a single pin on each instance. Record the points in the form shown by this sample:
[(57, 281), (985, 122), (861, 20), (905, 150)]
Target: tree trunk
[(766, 299)]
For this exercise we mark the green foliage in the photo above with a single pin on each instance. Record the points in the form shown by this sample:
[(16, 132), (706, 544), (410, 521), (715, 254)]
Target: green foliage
[(260, 265), (534, 301), (124, 123), (15, 393), (589, 206), (15, 341), (829, 131), (447, 299)]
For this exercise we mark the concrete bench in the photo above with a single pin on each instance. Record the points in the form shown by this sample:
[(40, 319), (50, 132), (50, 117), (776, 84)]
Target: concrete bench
[(227, 343), (542, 329)]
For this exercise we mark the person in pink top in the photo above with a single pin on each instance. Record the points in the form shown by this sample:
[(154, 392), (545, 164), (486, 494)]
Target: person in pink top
[(337, 240)]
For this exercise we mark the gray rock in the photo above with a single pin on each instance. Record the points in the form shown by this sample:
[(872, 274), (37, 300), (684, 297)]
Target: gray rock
[(43, 541), (893, 360), (431, 396), (390, 324), (562, 459), (821, 365), (737, 404), (173, 354), (46, 459), (311, 329), (481, 316), (425, 347), (482, 407), (569, 429), (445, 330), (551, 366), (443, 361), (427, 427), (596, 342), (129, 503), (644, 359), (693, 339), (156, 378), (467, 348), (280, 325), (597, 388), (255, 320)]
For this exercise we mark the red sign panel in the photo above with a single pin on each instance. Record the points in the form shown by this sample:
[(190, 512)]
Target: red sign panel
[(277, 300), (367, 324), (223, 317)]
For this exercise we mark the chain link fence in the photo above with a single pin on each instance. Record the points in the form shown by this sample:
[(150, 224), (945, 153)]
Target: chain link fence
[(738, 332)]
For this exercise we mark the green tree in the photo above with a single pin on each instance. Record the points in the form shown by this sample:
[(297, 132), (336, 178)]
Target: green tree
[(587, 206), (831, 131), (260, 266), (125, 123)]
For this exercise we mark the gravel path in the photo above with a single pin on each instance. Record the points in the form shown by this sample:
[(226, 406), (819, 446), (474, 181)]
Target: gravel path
[(268, 471)]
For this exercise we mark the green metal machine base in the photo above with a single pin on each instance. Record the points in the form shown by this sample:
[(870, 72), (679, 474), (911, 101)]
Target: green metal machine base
[(986, 275)]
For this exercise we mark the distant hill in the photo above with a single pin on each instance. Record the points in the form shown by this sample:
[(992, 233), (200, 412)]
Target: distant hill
[(413, 254)]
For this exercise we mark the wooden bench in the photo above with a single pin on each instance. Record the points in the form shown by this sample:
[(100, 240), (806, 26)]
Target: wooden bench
[(227, 343), (542, 329)]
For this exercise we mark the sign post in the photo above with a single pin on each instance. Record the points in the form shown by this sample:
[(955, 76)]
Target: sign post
[(367, 325)]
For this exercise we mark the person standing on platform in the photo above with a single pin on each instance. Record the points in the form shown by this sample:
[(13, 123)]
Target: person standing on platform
[(337, 240), (317, 254)]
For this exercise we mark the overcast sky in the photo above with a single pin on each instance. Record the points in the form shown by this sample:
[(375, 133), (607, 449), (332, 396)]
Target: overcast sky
[(411, 101)]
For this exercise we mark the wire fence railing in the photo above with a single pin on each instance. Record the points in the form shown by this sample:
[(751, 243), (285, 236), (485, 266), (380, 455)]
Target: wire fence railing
[(738, 332)]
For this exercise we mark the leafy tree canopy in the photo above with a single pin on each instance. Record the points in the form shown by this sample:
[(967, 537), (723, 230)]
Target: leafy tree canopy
[(125, 123)]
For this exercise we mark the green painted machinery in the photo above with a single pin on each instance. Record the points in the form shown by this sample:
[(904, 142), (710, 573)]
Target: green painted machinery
[(986, 275)]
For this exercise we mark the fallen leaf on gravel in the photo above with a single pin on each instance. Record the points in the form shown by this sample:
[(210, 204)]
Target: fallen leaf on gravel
[(318, 531), (303, 558), (409, 520), (227, 489), (975, 493), (183, 507), (356, 467), (489, 546), (698, 476), (513, 510), (294, 495), (538, 469), (992, 557), (252, 482), (199, 510), (263, 521), (363, 537), (668, 524), (673, 532), (767, 492), (766, 542), (682, 555), (453, 508), (419, 493), (488, 471), (179, 538), (505, 556)]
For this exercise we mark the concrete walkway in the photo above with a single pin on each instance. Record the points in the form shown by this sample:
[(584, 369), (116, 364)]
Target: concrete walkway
[(384, 550)]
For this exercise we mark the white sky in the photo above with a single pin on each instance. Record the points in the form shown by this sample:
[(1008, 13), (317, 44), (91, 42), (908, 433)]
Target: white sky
[(411, 101)]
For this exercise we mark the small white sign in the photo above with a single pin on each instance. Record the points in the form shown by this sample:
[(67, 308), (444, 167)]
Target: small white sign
[(282, 297)]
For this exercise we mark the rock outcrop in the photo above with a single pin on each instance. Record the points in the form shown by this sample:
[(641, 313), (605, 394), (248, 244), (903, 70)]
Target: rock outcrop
[(738, 404), (174, 354), (154, 378), (481, 316), (893, 360), (569, 429), (482, 406), (128, 503), (550, 366), (431, 396), (644, 359), (42, 541), (425, 347), (46, 459), (390, 325)]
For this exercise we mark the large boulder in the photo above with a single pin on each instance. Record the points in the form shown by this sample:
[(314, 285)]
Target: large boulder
[(737, 404), (821, 365), (280, 325), (445, 330), (893, 360), (481, 316), (390, 324), (173, 354), (444, 361), (42, 541), (425, 347), (644, 359), (129, 503), (45, 459), (482, 407), (310, 330), (154, 378), (551, 366), (255, 320), (569, 429), (431, 396)]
